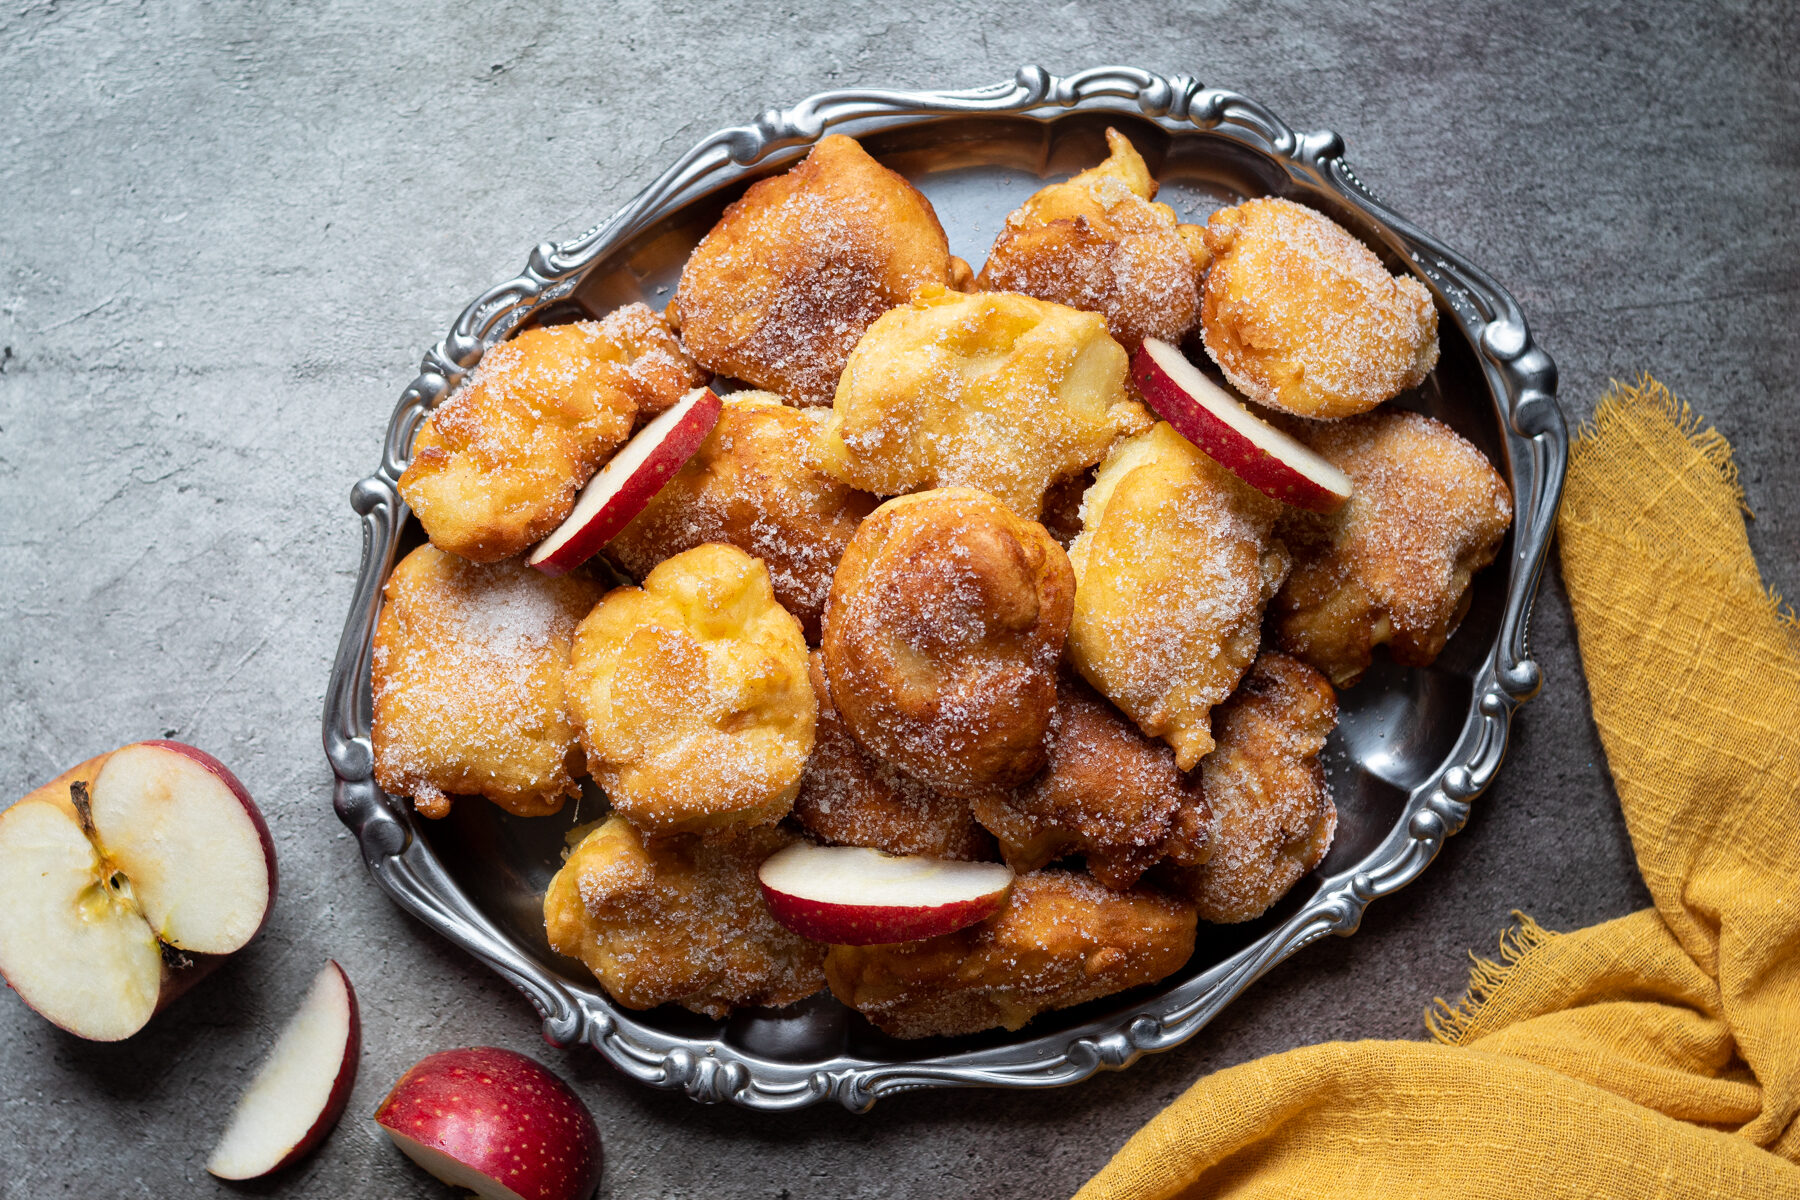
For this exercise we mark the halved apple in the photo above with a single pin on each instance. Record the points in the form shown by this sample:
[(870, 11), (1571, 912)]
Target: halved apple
[(126, 879), (300, 1090), (855, 896), (628, 482), (495, 1122), (1254, 450)]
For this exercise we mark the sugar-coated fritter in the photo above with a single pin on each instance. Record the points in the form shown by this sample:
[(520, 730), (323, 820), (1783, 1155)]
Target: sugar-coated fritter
[(1100, 244), (851, 798), (1108, 793), (782, 287), (993, 391), (1302, 317), (1272, 817), (679, 920), (942, 634), (1174, 565), (1061, 940), (1392, 566), (497, 467), (468, 683), (751, 484), (690, 695)]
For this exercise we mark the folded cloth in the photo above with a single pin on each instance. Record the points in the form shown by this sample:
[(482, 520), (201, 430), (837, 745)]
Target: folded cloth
[(1653, 1055)]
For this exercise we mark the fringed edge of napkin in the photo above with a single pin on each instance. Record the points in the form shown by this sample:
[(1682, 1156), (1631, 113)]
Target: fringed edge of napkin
[(1450, 1023), (1615, 414), (1612, 413)]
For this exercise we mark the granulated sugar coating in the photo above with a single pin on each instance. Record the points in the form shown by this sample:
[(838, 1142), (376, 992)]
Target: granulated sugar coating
[(779, 291), (994, 391), (940, 715), (1302, 317), (679, 920), (468, 683), (690, 695), (1097, 243), (499, 464), (1393, 564), (851, 798), (1062, 939), (942, 634), (1174, 565), (1108, 793), (751, 484), (1272, 814)]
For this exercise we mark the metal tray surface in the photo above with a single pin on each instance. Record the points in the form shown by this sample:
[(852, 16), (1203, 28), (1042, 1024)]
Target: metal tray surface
[(1413, 747)]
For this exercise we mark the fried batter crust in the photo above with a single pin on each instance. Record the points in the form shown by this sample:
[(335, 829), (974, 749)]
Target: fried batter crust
[(498, 466), (1393, 564), (942, 635), (751, 485), (852, 798), (679, 920), (782, 287), (1061, 940), (993, 391), (1108, 793), (1174, 565), (1272, 813), (1098, 243), (468, 683), (1301, 316), (690, 695)]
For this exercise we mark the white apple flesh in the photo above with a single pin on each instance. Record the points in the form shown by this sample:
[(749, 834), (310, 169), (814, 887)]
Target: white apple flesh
[(629, 481), (496, 1123), (1255, 451), (300, 1090), (125, 880), (855, 896)]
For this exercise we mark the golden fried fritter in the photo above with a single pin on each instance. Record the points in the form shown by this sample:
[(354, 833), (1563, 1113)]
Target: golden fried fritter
[(942, 635), (992, 391), (499, 464), (1108, 793), (679, 920), (1272, 814), (849, 797), (468, 683), (1393, 564), (751, 485), (1098, 243), (1174, 565), (1303, 317), (1061, 940), (690, 695), (780, 289)]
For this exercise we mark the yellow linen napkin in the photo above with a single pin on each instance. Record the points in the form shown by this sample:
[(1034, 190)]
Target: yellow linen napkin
[(1654, 1055)]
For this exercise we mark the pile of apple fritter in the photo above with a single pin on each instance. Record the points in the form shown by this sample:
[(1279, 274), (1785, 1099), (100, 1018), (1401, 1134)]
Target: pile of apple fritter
[(966, 661)]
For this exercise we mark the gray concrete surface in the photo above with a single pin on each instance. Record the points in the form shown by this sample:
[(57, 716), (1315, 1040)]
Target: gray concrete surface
[(227, 232)]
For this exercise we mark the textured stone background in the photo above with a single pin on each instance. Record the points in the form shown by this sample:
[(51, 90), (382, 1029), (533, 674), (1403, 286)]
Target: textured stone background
[(227, 232)]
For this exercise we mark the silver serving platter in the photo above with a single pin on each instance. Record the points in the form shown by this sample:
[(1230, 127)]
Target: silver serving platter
[(1412, 749)]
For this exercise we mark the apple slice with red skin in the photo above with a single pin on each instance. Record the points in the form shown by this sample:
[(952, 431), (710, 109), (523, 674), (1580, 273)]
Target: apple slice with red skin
[(628, 482), (495, 1122), (1254, 450), (855, 896), (301, 1088), (127, 879)]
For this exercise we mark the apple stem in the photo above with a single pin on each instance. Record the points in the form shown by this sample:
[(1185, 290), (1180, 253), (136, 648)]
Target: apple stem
[(174, 959), (84, 809)]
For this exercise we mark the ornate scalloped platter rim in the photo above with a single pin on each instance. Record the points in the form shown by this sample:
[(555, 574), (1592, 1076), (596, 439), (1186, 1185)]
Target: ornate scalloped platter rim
[(1517, 378)]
